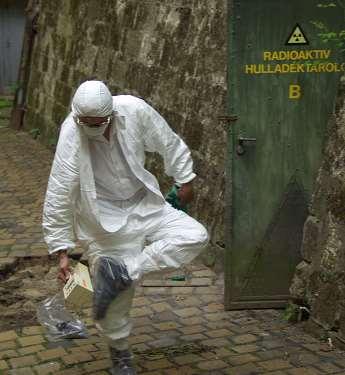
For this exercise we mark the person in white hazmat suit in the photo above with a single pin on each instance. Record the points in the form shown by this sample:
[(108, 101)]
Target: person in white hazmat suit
[(100, 194)]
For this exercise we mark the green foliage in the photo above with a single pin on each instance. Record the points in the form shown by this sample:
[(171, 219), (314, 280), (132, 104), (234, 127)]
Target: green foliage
[(13, 88), (290, 313), (35, 133), (53, 141), (326, 34), (329, 5), (5, 103)]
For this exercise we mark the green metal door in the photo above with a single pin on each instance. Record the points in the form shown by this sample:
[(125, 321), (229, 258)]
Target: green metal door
[(282, 86)]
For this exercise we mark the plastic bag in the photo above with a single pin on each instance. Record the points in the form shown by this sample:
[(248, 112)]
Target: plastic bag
[(110, 278), (61, 324)]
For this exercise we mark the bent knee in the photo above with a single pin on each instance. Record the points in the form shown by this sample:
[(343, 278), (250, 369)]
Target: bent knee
[(200, 236)]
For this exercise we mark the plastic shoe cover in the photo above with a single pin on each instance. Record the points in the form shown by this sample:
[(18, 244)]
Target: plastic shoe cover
[(122, 362), (110, 278), (60, 323)]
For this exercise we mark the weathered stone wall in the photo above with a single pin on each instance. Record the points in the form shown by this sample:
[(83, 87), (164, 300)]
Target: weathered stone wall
[(320, 278), (172, 53)]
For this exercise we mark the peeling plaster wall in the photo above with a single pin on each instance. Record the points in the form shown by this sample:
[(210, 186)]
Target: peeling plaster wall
[(170, 53)]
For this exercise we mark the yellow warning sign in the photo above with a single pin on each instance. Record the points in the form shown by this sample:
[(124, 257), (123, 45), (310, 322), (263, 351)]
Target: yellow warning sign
[(297, 37)]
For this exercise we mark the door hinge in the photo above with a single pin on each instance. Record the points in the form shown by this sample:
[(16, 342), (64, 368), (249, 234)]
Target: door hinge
[(227, 120), (230, 118)]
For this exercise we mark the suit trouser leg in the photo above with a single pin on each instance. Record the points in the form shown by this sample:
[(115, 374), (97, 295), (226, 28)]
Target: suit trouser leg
[(116, 325), (174, 239)]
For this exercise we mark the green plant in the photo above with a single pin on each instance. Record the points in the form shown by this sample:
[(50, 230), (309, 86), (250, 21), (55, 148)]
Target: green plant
[(13, 88), (328, 5), (5, 103), (290, 313), (327, 34), (35, 133), (53, 141)]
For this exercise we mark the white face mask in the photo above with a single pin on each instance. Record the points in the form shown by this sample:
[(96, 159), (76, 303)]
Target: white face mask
[(95, 131)]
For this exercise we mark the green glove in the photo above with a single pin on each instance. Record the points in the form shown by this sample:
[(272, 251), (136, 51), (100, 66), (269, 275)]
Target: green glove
[(174, 200)]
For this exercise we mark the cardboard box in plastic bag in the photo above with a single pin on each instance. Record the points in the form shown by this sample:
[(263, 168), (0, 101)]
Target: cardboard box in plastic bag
[(78, 289)]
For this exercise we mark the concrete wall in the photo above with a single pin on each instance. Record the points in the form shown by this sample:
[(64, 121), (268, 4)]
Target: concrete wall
[(171, 53)]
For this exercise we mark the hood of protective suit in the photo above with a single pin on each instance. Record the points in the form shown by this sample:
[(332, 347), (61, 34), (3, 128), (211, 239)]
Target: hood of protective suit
[(93, 99)]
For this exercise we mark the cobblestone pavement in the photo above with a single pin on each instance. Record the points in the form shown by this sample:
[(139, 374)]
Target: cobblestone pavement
[(180, 327)]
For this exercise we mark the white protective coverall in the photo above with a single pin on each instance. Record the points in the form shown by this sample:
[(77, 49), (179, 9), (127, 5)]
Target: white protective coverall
[(146, 233)]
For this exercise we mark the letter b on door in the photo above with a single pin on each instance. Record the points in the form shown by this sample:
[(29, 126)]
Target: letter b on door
[(295, 91)]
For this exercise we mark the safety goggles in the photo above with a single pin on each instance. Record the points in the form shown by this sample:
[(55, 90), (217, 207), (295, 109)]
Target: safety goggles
[(87, 124)]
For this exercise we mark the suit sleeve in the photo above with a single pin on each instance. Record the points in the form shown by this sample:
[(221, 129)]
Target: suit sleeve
[(159, 137), (62, 190)]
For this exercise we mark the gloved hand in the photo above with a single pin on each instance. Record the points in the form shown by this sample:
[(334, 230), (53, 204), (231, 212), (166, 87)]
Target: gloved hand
[(64, 267), (180, 196), (186, 193)]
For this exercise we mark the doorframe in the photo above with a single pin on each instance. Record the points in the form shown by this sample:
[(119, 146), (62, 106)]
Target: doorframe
[(231, 108)]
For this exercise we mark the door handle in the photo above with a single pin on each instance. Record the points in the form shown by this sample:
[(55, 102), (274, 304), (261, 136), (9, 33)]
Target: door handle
[(241, 141)]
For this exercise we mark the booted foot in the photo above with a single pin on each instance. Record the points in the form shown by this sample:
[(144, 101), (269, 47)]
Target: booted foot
[(110, 278), (122, 362)]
